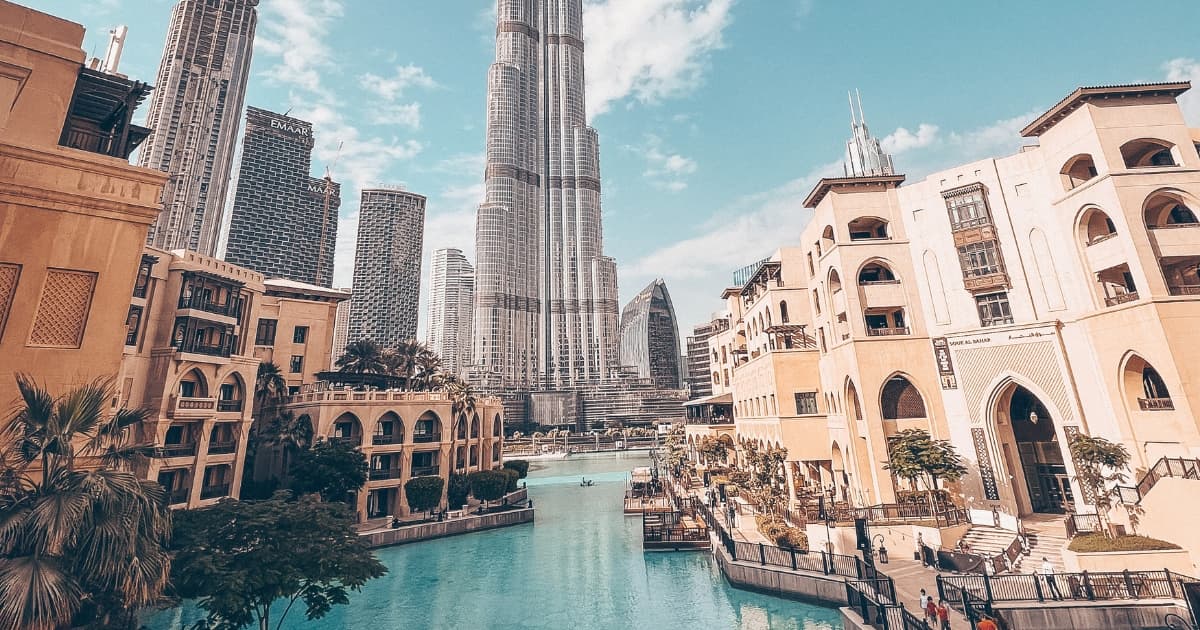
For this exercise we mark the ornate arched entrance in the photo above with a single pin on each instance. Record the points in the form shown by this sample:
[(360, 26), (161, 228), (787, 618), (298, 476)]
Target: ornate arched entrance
[(1033, 455)]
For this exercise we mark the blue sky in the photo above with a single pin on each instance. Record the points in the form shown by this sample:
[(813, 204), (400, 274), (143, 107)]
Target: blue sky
[(715, 116)]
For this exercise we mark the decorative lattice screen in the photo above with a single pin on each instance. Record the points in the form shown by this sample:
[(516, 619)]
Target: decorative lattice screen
[(63, 309)]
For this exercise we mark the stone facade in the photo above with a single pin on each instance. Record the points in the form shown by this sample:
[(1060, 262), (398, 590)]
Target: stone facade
[(284, 222), (75, 219)]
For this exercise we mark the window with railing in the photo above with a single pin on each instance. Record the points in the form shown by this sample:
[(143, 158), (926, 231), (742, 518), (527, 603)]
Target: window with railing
[(967, 207), (142, 285), (133, 324), (203, 337), (993, 309), (806, 404)]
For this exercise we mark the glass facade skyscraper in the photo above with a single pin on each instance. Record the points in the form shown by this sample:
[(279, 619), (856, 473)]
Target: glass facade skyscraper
[(546, 312)]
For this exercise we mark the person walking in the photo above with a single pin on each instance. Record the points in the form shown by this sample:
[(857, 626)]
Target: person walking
[(930, 613), (986, 624), (1047, 571), (919, 554), (924, 603), (943, 615)]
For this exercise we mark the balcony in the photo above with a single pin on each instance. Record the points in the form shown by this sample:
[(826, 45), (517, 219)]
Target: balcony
[(178, 497), (1106, 252), (381, 474), (888, 332), (352, 440), (998, 280), (182, 408), (174, 450), (222, 447), (229, 406), (1176, 239), (212, 492), (424, 471), (882, 293), (99, 120), (200, 302), (1184, 289), (426, 438), (382, 439), (1121, 299), (1155, 404)]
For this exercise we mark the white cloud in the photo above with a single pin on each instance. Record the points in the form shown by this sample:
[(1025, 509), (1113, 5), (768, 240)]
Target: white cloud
[(902, 139), (403, 114), (664, 168), (393, 87), (649, 49), (1187, 69), (296, 32)]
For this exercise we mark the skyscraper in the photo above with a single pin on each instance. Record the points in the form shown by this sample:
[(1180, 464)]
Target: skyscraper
[(194, 112), (451, 304), (650, 337), (387, 266), (864, 155), (341, 330), (545, 302), (284, 222), (699, 363)]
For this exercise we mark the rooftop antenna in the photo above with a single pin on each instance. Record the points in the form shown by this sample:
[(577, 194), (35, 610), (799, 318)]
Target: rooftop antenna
[(116, 45), (850, 97), (861, 116), (325, 210)]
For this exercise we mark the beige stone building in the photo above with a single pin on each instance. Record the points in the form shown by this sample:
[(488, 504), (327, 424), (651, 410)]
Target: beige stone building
[(296, 329), (73, 212), (188, 362), (403, 435)]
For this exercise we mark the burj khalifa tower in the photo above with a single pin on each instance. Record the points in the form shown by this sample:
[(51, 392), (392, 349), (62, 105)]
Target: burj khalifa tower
[(546, 311)]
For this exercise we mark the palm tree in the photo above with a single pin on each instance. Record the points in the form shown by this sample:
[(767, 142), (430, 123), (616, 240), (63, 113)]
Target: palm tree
[(269, 386), (405, 361), (289, 433), (362, 357), (427, 372), (462, 406), (82, 538)]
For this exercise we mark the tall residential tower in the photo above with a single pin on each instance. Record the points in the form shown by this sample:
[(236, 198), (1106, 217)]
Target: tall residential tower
[(451, 300), (284, 221), (546, 312), (387, 266), (194, 112)]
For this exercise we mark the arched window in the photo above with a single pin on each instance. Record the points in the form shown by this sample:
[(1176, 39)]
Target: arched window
[(1078, 170), (475, 427), (389, 430), (496, 452), (1143, 383), (900, 399), (231, 394), (1096, 226), (1168, 209), (868, 229), (835, 281), (827, 241), (768, 313), (1148, 153), (193, 385), (347, 429), (783, 312), (876, 273), (497, 426)]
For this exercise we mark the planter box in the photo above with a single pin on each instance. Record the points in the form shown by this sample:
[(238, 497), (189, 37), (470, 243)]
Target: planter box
[(1174, 560)]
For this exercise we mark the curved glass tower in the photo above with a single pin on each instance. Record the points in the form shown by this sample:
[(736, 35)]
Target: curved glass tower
[(546, 297), (650, 337)]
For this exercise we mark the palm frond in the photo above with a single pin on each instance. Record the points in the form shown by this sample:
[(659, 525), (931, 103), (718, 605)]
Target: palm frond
[(36, 594)]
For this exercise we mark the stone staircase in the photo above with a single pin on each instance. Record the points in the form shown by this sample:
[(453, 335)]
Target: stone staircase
[(1047, 534), (986, 540)]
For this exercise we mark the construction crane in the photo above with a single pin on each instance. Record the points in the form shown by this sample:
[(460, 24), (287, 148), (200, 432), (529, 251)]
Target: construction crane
[(325, 212)]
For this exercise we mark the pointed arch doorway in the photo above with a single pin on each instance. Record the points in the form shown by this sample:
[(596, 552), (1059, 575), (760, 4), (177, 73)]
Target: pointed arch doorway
[(1033, 455)]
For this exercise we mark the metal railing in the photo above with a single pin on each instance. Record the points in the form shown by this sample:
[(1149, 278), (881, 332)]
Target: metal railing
[(944, 515), (1120, 299), (1177, 467), (887, 332), (379, 474), (1183, 289), (875, 602), (424, 471), (222, 447), (425, 438), (353, 440), (1082, 586), (230, 308), (384, 438), (226, 406), (211, 492), (1082, 524), (1156, 404), (174, 450)]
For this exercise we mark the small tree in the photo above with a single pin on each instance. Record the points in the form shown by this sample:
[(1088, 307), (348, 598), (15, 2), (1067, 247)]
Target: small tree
[(674, 448), (331, 469), (457, 490), (514, 478), (238, 558), (488, 485), (423, 493), (519, 465), (915, 456), (714, 450), (1100, 466), (765, 479)]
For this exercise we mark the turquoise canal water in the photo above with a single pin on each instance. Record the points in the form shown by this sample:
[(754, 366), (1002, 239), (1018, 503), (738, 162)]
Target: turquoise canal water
[(580, 565)]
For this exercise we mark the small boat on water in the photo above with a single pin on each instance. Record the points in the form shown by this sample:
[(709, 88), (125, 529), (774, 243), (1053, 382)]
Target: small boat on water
[(587, 483)]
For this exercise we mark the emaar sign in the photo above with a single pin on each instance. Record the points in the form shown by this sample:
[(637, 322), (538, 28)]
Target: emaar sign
[(290, 128)]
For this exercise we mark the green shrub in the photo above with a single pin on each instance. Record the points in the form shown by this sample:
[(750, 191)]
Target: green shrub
[(1097, 543), (488, 485), (457, 491), (513, 477), (423, 493), (519, 465)]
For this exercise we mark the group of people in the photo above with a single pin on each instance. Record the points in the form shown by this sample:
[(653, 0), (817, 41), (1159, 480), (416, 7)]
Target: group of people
[(937, 614)]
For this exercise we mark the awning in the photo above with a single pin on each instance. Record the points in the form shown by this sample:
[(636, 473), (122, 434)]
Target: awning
[(719, 399)]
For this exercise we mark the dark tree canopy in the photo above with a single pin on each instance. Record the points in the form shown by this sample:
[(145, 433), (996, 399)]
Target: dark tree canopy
[(240, 557), (458, 490), (423, 493), (488, 485), (331, 469), (519, 465)]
